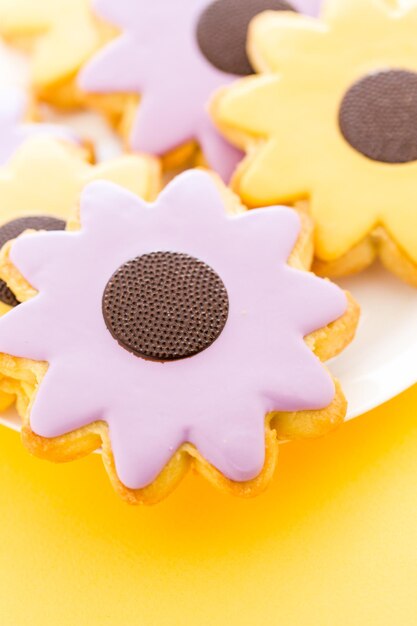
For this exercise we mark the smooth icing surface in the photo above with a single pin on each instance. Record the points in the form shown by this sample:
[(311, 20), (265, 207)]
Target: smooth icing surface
[(314, 64), (45, 177), (66, 35), (14, 131), (158, 57), (218, 399)]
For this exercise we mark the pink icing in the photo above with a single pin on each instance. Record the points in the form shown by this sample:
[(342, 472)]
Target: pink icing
[(216, 400), (159, 58), (14, 132)]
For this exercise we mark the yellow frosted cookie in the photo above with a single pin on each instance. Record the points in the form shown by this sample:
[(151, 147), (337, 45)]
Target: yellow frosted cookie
[(140, 332), (61, 35), (39, 188), (331, 118)]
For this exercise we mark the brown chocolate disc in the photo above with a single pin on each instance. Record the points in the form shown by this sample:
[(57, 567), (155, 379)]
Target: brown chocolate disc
[(378, 116), (223, 28), (165, 306), (7, 296), (13, 229)]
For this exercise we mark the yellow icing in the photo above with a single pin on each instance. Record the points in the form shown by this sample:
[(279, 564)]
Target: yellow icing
[(290, 114), (66, 34), (45, 177)]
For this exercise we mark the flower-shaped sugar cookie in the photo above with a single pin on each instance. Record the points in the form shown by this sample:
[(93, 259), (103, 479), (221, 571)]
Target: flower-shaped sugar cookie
[(174, 55), (333, 119), (61, 35), (190, 342)]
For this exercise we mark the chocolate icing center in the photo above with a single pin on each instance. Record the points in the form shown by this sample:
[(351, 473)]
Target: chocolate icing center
[(222, 32), (165, 306), (7, 296), (378, 116), (13, 229)]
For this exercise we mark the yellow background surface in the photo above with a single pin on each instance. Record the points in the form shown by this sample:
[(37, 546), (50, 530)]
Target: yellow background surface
[(332, 543)]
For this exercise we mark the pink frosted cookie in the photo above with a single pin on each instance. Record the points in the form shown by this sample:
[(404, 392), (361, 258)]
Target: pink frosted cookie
[(175, 55), (179, 333)]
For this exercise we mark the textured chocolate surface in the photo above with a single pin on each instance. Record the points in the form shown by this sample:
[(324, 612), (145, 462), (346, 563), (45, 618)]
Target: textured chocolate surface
[(7, 296), (165, 306), (13, 229), (378, 116), (222, 32)]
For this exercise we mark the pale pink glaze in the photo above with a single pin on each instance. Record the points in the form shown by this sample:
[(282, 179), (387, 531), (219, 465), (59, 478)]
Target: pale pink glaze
[(14, 132), (159, 58), (216, 400)]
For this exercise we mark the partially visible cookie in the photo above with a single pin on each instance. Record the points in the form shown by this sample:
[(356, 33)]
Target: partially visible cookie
[(331, 119), (172, 56), (60, 35), (41, 183), (142, 333)]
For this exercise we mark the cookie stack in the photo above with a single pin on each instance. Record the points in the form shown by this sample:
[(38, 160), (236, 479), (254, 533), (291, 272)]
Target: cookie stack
[(172, 306)]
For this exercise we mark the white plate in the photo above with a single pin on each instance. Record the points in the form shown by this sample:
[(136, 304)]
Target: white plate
[(380, 363)]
